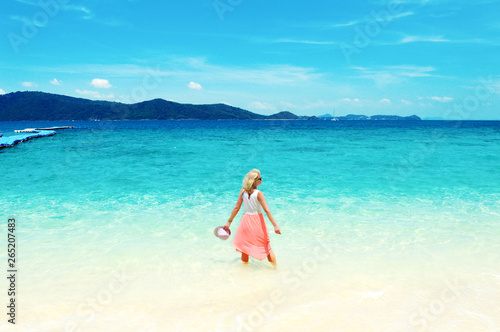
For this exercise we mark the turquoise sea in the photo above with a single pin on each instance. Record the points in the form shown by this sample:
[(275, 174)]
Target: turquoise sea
[(386, 226)]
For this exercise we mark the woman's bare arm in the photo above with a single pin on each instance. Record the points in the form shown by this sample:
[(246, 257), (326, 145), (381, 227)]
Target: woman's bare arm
[(236, 209), (263, 203)]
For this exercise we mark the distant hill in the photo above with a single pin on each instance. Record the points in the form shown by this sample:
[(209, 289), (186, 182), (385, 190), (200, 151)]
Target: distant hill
[(372, 118), (34, 106), (353, 117), (395, 117), (284, 116), (435, 118)]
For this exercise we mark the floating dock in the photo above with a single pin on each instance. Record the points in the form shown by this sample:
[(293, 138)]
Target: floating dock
[(10, 141), (33, 130)]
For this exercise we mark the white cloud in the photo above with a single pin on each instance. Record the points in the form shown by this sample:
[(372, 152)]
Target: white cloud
[(406, 102), (372, 18), (194, 86), (318, 104), (349, 100), (394, 74), (2, 92), (301, 41), (87, 13), (489, 85), (31, 3), (385, 101), (30, 84), (187, 68), (285, 104), (442, 99), (55, 82), (87, 92), (433, 39), (412, 71), (403, 15), (100, 83), (261, 75), (261, 106), (94, 94), (348, 24), (77, 8), (17, 18)]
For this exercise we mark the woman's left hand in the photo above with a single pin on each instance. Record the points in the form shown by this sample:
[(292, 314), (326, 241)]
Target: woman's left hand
[(227, 225), (277, 230)]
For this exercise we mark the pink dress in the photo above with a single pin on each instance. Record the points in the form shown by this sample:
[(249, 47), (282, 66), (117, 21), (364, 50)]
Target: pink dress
[(251, 237)]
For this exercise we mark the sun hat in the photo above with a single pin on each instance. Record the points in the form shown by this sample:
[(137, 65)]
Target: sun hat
[(222, 233)]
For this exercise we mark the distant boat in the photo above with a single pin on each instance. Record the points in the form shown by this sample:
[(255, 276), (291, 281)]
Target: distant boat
[(335, 119), (1, 135)]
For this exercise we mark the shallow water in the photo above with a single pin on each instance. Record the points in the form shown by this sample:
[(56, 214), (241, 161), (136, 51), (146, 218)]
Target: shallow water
[(387, 226)]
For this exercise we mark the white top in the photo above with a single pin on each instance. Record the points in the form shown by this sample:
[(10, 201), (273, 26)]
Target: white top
[(250, 203)]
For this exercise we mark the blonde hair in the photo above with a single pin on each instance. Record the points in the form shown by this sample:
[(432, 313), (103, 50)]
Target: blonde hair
[(250, 180)]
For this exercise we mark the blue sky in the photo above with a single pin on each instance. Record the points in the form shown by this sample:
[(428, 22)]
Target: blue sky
[(433, 58)]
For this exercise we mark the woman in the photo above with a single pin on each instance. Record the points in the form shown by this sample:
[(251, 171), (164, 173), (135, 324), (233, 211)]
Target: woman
[(251, 238)]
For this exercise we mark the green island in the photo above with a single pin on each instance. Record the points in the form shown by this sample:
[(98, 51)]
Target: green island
[(41, 106)]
